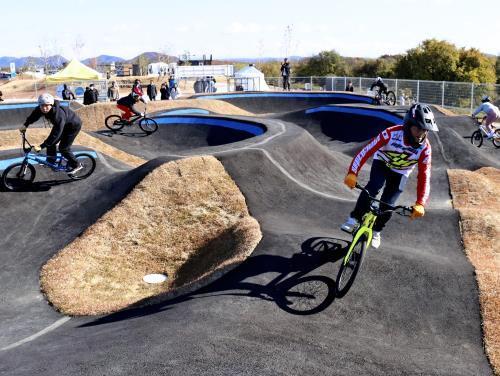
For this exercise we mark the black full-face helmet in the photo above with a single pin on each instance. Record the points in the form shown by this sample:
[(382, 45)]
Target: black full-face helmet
[(420, 116), (485, 98)]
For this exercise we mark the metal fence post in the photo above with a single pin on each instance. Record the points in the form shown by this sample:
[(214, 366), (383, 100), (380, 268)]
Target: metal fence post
[(396, 89), (418, 91), (442, 94), (360, 89), (311, 81), (345, 82), (472, 96)]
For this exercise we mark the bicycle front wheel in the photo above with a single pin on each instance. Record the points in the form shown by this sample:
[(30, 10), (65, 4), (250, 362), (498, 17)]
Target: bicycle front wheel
[(390, 98), (114, 122), (88, 163), (496, 139), (148, 125), (477, 138), (348, 270), (18, 176)]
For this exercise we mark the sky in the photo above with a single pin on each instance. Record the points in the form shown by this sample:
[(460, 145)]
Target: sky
[(230, 29)]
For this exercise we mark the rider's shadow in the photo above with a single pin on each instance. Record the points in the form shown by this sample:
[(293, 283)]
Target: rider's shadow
[(129, 133), (294, 289)]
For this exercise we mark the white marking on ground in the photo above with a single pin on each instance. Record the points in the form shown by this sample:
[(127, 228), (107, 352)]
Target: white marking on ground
[(48, 329)]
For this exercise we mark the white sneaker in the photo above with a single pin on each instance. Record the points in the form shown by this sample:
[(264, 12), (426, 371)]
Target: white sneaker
[(376, 239), (75, 170), (349, 225)]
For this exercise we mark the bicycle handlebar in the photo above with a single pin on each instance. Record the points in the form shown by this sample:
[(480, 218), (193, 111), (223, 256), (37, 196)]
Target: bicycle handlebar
[(405, 211)]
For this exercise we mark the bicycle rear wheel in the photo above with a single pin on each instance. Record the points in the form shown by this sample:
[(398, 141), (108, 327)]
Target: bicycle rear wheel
[(496, 139), (148, 125), (88, 163), (114, 122), (477, 138), (18, 176), (390, 98), (348, 270)]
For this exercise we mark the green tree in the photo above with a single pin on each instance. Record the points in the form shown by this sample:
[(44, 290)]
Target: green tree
[(383, 66), (432, 60), (270, 68), (473, 66), (497, 68), (324, 64)]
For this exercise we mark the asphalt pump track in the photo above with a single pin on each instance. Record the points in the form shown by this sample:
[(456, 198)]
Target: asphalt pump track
[(414, 308)]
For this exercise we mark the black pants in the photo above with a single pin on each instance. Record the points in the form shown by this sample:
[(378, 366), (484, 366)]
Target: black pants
[(380, 174), (286, 83), (65, 142)]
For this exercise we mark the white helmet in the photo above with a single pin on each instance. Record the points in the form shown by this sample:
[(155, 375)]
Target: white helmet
[(46, 98), (485, 98), (378, 79)]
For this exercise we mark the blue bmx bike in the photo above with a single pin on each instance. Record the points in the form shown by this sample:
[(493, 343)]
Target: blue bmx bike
[(20, 175)]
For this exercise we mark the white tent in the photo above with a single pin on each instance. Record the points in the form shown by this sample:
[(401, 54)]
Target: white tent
[(250, 79)]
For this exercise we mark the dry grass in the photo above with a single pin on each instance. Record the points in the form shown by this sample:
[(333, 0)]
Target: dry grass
[(475, 195), (11, 140), (186, 219)]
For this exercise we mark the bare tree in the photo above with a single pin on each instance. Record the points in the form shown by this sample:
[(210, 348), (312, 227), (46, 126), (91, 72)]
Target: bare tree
[(78, 46)]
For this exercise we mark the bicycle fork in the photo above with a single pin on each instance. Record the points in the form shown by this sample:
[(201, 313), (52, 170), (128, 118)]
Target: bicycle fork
[(365, 228)]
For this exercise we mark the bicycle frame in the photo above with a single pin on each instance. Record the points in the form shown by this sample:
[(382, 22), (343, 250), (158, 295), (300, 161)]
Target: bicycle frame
[(29, 156), (365, 228)]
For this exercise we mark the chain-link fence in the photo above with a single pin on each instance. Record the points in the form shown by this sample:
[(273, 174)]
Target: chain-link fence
[(462, 95)]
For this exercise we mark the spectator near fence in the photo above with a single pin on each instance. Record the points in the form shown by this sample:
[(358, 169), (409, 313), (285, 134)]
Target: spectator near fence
[(164, 92), (172, 86), (285, 74), (67, 94), (137, 88), (151, 91), (1, 95), (113, 92), (90, 95), (349, 86)]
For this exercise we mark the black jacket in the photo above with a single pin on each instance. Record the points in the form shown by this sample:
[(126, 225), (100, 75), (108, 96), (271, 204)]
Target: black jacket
[(129, 102), (89, 97), (60, 117), (151, 90), (67, 94)]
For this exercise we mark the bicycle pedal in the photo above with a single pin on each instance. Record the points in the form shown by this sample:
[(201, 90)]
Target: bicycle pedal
[(349, 232)]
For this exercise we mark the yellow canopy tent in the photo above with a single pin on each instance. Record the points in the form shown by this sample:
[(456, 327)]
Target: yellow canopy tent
[(74, 71)]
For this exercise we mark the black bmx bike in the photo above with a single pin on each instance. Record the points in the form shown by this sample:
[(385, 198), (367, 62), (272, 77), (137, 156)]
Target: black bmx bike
[(388, 98), (20, 175), (116, 122)]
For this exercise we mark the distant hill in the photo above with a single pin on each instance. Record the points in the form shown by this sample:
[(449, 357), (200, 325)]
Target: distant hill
[(104, 59), (52, 61), (153, 57)]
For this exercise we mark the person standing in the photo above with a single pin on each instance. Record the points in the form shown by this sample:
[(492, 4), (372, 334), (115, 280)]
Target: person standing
[(95, 92), (172, 86), (113, 93), (151, 91), (67, 94), (88, 97), (285, 74), (349, 87), (164, 92), (137, 88)]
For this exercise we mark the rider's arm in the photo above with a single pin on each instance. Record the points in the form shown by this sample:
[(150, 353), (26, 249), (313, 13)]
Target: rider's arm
[(424, 175), (135, 110), (364, 154), (33, 117), (478, 110), (373, 85), (57, 129)]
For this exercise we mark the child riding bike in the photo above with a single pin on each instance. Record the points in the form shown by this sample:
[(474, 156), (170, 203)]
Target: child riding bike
[(379, 83), (397, 150), (492, 114), (65, 127), (128, 105)]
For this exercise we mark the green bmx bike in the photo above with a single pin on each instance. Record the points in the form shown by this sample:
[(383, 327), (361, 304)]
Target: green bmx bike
[(361, 240)]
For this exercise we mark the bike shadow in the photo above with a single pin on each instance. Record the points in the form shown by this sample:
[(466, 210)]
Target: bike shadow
[(108, 133), (295, 290), (41, 186)]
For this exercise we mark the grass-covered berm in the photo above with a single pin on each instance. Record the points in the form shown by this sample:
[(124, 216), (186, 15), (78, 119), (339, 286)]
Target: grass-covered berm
[(186, 219)]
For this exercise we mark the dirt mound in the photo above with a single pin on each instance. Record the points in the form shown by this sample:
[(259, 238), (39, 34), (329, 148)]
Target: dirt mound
[(186, 219)]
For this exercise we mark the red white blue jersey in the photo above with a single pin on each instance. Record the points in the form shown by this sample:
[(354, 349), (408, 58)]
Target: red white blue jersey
[(389, 146)]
